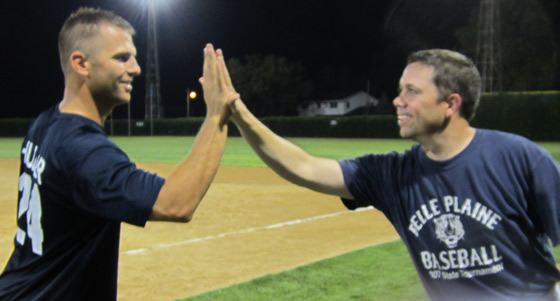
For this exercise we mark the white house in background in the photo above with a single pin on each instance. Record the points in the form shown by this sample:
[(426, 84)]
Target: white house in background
[(337, 107)]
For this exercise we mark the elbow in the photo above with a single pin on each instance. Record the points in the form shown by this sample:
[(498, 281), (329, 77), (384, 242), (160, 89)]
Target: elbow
[(176, 207), (182, 215), (185, 218), (175, 214)]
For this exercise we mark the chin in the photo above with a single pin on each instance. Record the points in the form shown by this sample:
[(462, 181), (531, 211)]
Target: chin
[(408, 135), (123, 99), (404, 134)]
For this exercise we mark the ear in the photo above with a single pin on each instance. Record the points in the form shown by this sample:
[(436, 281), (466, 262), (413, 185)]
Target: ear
[(79, 63), (454, 102)]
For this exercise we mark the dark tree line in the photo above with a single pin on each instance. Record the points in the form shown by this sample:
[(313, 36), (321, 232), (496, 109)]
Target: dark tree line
[(529, 38), (270, 85)]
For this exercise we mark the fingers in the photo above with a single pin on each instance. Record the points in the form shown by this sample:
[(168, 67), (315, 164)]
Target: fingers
[(223, 69), (214, 62), (219, 93), (235, 103), (209, 68), (233, 97)]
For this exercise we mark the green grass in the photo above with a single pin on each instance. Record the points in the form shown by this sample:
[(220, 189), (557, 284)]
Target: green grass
[(237, 152), (10, 148), (383, 272), (553, 148)]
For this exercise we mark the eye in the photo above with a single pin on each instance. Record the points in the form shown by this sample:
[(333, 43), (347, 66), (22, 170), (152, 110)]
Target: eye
[(123, 57), (408, 90), (412, 91)]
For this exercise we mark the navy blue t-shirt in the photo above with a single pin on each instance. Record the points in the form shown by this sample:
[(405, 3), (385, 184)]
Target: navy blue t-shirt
[(75, 189), (478, 225)]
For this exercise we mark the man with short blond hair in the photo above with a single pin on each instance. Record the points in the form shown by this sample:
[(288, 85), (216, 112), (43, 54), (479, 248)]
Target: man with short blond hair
[(76, 187)]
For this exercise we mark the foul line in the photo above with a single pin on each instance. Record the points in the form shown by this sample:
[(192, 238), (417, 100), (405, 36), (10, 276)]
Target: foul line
[(249, 230)]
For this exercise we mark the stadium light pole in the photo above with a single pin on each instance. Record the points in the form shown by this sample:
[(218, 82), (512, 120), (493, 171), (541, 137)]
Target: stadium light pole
[(153, 97), (190, 95)]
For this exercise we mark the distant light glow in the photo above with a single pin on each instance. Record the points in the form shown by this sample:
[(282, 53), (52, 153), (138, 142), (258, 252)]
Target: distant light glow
[(192, 95), (160, 6)]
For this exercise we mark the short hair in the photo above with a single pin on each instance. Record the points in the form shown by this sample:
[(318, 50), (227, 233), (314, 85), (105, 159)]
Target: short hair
[(453, 73), (83, 25)]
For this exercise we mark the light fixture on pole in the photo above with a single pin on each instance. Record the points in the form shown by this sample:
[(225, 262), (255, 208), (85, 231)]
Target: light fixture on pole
[(190, 95)]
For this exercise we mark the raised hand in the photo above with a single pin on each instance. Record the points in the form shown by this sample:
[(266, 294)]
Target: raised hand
[(216, 84)]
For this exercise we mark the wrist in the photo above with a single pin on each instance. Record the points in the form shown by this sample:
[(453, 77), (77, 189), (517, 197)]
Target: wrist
[(215, 120), (239, 112)]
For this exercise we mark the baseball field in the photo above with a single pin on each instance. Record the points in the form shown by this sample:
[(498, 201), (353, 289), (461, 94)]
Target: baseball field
[(255, 236)]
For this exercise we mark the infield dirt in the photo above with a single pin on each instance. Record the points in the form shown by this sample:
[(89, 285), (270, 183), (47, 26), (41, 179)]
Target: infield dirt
[(251, 223)]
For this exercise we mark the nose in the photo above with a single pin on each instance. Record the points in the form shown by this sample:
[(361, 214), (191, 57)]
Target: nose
[(134, 68), (398, 101)]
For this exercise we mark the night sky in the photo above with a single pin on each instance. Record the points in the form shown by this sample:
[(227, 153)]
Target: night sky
[(370, 38)]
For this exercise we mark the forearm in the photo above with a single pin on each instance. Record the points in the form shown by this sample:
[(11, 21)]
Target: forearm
[(188, 183), (288, 160), (278, 153)]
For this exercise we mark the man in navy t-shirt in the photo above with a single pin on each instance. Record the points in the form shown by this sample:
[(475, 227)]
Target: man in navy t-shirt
[(477, 209), (76, 186)]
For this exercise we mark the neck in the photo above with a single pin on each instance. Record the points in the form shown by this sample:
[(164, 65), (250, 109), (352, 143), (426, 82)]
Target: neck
[(78, 100), (449, 143)]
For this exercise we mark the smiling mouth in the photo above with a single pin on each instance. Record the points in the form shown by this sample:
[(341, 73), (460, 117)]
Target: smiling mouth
[(127, 86), (402, 118)]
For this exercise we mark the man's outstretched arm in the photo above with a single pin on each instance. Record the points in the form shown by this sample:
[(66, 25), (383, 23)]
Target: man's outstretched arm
[(188, 183), (286, 159)]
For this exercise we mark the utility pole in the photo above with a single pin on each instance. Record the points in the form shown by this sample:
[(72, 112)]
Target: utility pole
[(153, 108), (488, 46)]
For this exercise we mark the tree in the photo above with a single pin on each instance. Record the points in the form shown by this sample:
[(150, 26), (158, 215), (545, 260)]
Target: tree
[(270, 85), (529, 51)]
